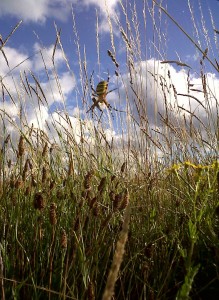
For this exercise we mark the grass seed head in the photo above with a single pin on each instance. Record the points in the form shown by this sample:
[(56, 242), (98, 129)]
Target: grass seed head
[(26, 166), (112, 196), (45, 150), (124, 201), (21, 147), (52, 185), (117, 201), (44, 174), (90, 291), (38, 201), (149, 250), (70, 168), (113, 58), (14, 198), (28, 190), (113, 177), (33, 181), (96, 210), (64, 240), (87, 180), (30, 164), (9, 162), (123, 167), (19, 183), (52, 214), (76, 224), (92, 202), (102, 185)]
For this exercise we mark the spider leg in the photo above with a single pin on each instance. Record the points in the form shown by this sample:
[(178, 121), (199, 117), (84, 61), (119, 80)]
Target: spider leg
[(111, 91), (93, 90), (117, 109), (96, 104), (110, 107)]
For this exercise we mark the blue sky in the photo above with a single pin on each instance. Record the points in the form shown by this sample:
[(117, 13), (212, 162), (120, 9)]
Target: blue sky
[(39, 17), (37, 31)]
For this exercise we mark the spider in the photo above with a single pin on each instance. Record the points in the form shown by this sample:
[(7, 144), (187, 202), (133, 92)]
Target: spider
[(99, 95)]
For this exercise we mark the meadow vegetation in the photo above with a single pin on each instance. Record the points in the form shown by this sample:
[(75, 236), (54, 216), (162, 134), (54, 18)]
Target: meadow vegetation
[(85, 214)]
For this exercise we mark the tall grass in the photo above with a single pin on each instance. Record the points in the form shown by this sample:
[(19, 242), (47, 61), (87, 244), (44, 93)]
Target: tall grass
[(112, 205)]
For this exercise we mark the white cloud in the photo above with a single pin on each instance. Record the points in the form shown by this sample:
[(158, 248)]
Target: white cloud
[(35, 112), (37, 117), (47, 52), (10, 70), (58, 91), (15, 58), (107, 10), (11, 109), (70, 126), (154, 88), (40, 10), (36, 11), (104, 5), (154, 94)]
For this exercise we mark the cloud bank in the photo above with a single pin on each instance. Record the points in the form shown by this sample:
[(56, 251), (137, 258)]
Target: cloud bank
[(157, 89), (167, 89), (38, 11), (35, 11)]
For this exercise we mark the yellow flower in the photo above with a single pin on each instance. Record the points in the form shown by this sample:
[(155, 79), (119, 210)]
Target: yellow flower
[(189, 164), (174, 168)]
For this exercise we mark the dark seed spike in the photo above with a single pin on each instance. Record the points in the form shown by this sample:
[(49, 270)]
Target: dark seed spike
[(64, 239), (52, 214)]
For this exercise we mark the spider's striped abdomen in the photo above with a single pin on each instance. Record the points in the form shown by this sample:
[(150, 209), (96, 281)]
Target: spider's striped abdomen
[(101, 89)]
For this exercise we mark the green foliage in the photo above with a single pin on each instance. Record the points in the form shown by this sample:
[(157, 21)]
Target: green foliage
[(185, 290)]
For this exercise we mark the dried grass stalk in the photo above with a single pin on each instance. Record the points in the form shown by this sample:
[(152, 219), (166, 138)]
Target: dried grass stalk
[(117, 258)]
